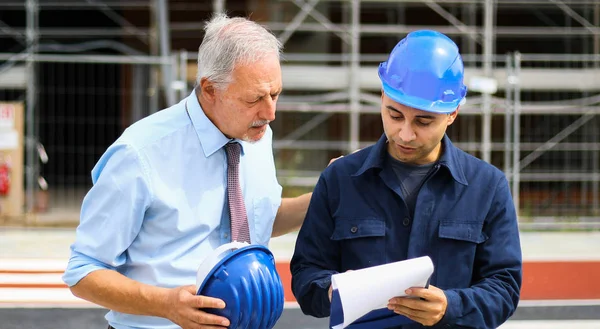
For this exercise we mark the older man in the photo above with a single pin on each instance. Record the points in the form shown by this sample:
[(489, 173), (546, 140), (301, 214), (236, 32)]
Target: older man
[(164, 195)]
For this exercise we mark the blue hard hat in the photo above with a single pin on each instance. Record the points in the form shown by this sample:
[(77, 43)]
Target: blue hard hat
[(245, 278), (425, 71)]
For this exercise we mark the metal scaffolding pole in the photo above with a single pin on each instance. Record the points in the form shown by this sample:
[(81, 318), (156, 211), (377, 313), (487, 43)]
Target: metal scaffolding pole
[(488, 50), (110, 13), (354, 76), (183, 60), (305, 10), (32, 11), (162, 12), (507, 117), (595, 155), (516, 170), (218, 6)]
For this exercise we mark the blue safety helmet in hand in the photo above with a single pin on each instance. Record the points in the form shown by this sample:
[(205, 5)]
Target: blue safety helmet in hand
[(245, 278), (425, 71)]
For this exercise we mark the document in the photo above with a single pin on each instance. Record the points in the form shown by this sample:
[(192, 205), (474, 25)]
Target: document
[(360, 297)]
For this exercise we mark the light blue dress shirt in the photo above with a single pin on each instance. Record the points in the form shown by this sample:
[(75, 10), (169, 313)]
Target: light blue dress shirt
[(158, 203)]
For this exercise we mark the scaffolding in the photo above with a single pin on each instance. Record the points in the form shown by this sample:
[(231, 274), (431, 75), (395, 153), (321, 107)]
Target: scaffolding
[(331, 100)]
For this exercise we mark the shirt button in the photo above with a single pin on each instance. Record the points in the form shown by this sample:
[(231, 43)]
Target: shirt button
[(225, 236), (406, 221), (354, 229)]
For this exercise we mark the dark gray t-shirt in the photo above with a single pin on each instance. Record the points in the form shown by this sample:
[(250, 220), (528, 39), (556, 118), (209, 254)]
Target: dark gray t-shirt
[(410, 178)]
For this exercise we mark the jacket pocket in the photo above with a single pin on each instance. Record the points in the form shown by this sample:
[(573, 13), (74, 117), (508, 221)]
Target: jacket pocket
[(462, 231), (362, 242), (456, 251), (358, 228)]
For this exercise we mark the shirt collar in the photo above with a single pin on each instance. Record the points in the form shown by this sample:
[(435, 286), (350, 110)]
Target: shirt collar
[(449, 159), (211, 138)]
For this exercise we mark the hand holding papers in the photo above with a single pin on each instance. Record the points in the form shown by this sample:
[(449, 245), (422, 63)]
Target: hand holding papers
[(360, 297)]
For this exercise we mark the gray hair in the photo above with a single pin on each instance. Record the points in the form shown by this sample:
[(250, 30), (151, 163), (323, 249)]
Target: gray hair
[(230, 41)]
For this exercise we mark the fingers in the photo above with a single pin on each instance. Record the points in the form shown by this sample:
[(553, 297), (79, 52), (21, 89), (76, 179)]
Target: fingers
[(191, 289), (432, 293), (410, 303), (333, 160), (208, 302), (210, 319), (407, 311), (426, 306), (423, 317)]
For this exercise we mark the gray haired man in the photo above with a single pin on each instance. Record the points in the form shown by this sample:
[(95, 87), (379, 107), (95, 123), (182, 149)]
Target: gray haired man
[(160, 199)]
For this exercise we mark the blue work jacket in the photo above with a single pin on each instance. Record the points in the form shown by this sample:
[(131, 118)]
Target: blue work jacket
[(464, 220)]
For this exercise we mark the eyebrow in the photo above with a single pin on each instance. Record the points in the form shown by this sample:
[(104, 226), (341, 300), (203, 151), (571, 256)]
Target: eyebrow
[(423, 116), (260, 95)]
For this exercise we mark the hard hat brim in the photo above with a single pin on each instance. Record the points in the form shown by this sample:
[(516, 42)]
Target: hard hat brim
[(421, 104)]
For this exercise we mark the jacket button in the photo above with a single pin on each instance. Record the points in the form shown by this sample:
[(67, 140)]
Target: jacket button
[(406, 221), (354, 229)]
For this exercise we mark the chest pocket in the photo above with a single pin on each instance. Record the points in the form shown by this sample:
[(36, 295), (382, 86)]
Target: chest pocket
[(362, 242), (456, 251)]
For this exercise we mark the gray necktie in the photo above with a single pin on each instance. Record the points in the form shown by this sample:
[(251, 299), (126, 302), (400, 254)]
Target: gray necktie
[(237, 210)]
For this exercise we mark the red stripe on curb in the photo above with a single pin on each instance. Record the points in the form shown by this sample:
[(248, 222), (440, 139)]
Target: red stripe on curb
[(542, 280), (33, 285), (283, 268), (30, 272), (561, 280)]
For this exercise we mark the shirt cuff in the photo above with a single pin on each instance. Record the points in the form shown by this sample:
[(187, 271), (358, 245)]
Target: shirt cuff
[(80, 266)]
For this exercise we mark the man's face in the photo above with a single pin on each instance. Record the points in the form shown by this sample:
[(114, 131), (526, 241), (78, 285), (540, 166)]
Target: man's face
[(244, 109), (413, 135)]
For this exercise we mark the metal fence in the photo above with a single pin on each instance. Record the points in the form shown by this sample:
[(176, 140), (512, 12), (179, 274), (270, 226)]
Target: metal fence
[(544, 136), (75, 107), (555, 165)]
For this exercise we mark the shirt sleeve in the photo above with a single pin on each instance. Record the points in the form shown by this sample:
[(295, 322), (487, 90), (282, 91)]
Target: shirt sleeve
[(497, 271), (111, 214), (316, 256)]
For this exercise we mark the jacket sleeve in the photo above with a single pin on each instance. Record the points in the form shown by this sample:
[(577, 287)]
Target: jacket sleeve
[(316, 256), (497, 271)]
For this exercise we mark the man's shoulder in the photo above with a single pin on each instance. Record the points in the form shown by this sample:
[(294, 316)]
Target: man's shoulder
[(476, 167), (154, 127), (349, 164)]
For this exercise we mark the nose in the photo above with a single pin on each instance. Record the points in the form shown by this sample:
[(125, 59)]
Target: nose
[(406, 133), (268, 110)]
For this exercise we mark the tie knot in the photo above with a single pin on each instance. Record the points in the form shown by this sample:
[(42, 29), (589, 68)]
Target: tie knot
[(233, 153)]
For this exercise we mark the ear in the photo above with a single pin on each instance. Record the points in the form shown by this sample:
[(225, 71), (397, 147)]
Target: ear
[(452, 116), (208, 90)]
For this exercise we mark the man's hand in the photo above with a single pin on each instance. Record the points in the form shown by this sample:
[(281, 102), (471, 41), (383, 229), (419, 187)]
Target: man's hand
[(331, 288), (333, 160), (428, 307), (341, 156), (184, 309)]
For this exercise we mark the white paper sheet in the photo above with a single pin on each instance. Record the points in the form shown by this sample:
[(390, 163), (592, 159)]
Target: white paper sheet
[(368, 289)]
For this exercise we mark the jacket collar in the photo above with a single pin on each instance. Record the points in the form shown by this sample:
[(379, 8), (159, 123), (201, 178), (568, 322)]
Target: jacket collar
[(450, 159)]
